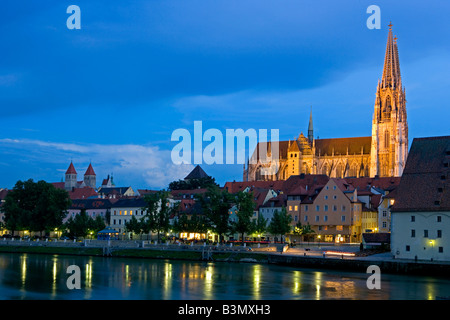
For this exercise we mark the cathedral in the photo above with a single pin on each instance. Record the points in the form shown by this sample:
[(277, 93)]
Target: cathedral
[(383, 154)]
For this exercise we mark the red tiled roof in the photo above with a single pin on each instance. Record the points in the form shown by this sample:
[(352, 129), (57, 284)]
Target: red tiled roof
[(3, 193), (59, 185), (343, 145), (90, 171), (82, 193), (425, 183), (71, 169), (365, 183)]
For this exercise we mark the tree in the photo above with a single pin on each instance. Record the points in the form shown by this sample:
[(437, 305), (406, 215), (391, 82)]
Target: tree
[(78, 226), (281, 223), (215, 204), (35, 206), (260, 225), (193, 184), (245, 207), (134, 225), (305, 230), (158, 212)]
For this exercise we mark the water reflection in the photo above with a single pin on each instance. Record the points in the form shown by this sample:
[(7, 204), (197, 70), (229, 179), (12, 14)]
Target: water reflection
[(28, 276)]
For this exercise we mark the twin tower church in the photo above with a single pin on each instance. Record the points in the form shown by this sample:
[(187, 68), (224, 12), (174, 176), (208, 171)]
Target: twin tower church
[(383, 154)]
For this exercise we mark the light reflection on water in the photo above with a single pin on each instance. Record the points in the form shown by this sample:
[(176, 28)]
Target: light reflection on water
[(28, 276)]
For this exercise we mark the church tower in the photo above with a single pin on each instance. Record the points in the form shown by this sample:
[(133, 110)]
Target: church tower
[(90, 178), (389, 148), (70, 181)]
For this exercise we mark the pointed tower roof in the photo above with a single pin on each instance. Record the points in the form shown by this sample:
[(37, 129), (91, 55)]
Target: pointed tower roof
[(294, 147), (71, 169), (391, 71), (196, 173), (90, 171), (310, 127)]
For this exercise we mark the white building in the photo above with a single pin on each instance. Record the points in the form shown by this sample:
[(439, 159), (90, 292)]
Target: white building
[(421, 211)]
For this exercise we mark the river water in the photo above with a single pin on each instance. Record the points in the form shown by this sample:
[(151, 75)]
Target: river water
[(44, 277)]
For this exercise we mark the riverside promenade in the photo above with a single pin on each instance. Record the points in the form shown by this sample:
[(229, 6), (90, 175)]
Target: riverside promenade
[(346, 257)]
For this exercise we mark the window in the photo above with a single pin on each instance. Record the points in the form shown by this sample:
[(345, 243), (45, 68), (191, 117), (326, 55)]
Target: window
[(296, 208), (317, 208), (295, 218), (326, 187), (114, 221), (334, 208), (413, 218), (290, 208), (334, 197), (441, 249), (325, 207), (334, 187), (384, 224), (439, 233), (342, 218), (343, 208), (439, 219), (408, 248), (325, 218), (120, 212), (339, 228), (120, 221), (306, 208), (115, 213), (413, 233), (326, 197), (125, 212), (384, 213), (131, 212), (306, 218), (317, 218), (425, 233)]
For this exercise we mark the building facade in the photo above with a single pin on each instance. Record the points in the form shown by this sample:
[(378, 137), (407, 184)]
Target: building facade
[(420, 215), (382, 154)]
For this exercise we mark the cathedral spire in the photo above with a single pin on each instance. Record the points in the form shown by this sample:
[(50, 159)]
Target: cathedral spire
[(310, 128), (391, 71)]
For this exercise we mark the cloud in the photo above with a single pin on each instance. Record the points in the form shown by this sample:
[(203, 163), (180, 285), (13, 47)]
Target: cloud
[(142, 166)]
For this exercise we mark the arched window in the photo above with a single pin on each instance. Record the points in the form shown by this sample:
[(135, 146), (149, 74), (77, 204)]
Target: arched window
[(325, 169), (339, 170), (387, 108), (386, 139)]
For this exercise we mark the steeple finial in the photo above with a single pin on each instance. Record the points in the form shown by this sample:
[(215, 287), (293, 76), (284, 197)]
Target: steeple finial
[(391, 70), (310, 127)]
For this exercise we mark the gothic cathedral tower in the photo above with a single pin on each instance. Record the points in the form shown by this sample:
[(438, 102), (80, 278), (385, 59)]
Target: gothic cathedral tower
[(389, 148)]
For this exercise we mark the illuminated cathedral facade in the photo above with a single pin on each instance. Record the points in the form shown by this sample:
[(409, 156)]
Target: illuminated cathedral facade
[(382, 154)]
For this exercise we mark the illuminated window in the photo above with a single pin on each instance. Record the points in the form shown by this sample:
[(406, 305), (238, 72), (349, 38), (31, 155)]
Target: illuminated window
[(296, 208), (120, 212), (125, 213), (339, 228), (290, 208), (131, 212)]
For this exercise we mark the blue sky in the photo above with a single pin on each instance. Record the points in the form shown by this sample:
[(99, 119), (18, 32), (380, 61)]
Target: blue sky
[(113, 92)]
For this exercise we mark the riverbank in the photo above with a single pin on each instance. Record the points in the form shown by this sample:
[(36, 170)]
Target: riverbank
[(304, 258)]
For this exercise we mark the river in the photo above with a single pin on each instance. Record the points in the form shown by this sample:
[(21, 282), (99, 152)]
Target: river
[(44, 277)]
